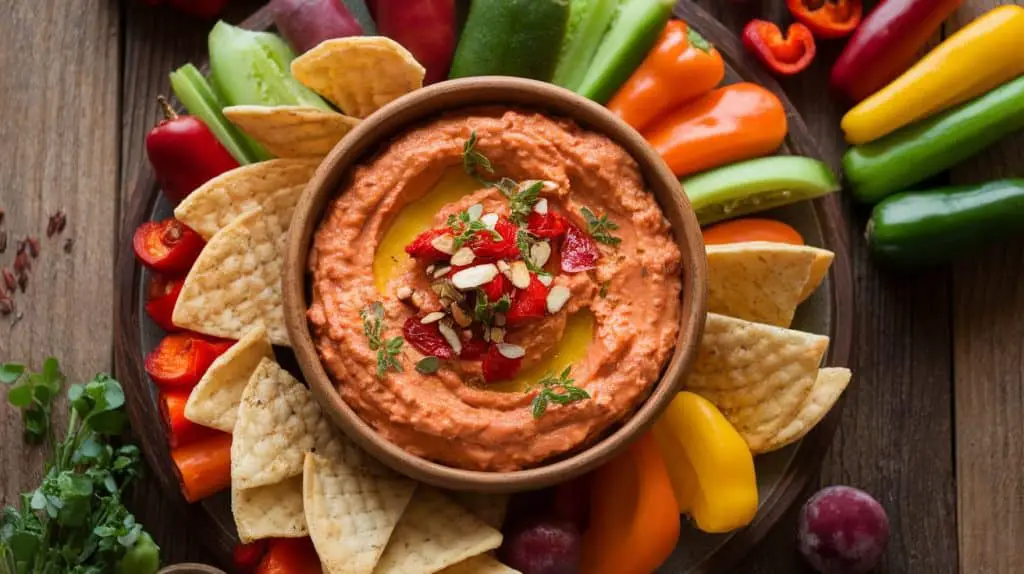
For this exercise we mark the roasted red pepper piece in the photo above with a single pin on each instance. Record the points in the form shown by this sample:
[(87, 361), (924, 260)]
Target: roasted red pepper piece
[(180, 431), (167, 246), (529, 303), (551, 225), (427, 338), (473, 350), (827, 18), (246, 557), (886, 44), (181, 359), (185, 154), (421, 247), (579, 251), (163, 295), (497, 287), (784, 56), (290, 556), (497, 367), (486, 246), (425, 27)]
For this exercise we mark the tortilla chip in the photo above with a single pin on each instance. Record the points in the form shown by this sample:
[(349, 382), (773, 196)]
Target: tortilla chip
[(272, 511), (275, 186), (822, 262), (483, 564), (490, 508), (214, 401), (359, 74), (278, 422), (433, 534), (757, 375), (351, 514), (236, 283), (292, 131), (758, 281), (827, 389)]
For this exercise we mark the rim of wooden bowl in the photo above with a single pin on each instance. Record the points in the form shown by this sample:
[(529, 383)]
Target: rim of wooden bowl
[(423, 105)]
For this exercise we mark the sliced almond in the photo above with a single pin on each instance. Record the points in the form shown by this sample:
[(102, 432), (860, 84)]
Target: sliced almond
[(464, 256), (547, 280), (520, 275), (475, 211), (444, 243), (460, 316), (497, 334), (404, 293), (557, 298), (541, 206), (503, 265), (430, 269), (540, 252), (441, 271), (487, 335), (432, 317), (475, 276), (510, 351), (490, 220), (549, 187), (451, 336)]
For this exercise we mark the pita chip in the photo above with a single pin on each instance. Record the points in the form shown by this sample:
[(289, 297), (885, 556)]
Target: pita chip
[(214, 401)]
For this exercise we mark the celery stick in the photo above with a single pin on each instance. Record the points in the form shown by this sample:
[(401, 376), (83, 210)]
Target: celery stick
[(588, 22), (195, 94)]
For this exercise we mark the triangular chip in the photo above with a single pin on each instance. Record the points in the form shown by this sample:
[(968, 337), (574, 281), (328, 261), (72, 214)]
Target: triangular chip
[(272, 511), (214, 401), (278, 422), (359, 74), (351, 513), (236, 283), (827, 389), (822, 262), (757, 375), (274, 186), (483, 564), (433, 534), (758, 281), (292, 131), (490, 508)]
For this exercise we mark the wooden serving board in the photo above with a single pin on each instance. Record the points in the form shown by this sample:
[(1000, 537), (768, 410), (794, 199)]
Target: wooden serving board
[(781, 475)]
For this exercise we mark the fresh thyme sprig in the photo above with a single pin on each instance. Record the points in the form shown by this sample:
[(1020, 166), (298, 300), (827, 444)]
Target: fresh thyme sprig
[(559, 390), (600, 227), (522, 196), (473, 160), (464, 228), (484, 310), (387, 350), (521, 204)]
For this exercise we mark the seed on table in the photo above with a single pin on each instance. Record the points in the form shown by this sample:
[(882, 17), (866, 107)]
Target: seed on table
[(6, 305), (33, 246), (2, 214), (3, 241), (22, 245), (23, 281), (9, 280), (68, 245), (21, 263)]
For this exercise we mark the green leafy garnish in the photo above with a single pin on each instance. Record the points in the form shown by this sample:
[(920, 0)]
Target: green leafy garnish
[(559, 390), (428, 365), (524, 241), (600, 227), (464, 228), (603, 291), (75, 521), (484, 310), (387, 350), (473, 161), (521, 203)]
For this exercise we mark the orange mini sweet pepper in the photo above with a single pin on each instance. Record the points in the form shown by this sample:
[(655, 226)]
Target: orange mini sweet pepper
[(709, 464), (733, 123), (634, 521), (681, 67)]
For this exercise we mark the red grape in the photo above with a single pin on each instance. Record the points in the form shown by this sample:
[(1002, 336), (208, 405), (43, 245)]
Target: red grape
[(843, 530), (543, 546)]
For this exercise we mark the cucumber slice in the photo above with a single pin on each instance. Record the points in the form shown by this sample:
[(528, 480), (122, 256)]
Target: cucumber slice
[(632, 34), (756, 185), (588, 22), (253, 68), (362, 15), (511, 38), (195, 94)]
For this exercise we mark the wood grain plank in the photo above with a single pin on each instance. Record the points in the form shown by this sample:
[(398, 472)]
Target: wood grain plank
[(897, 414), (58, 138), (988, 376)]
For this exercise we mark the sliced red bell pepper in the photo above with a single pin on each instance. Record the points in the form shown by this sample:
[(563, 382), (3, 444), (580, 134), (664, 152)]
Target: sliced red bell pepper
[(784, 56), (204, 466), (167, 246), (827, 18), (181, 359), (425, 27), (180, 430), (290, 556), (163, 295), (246, 557)]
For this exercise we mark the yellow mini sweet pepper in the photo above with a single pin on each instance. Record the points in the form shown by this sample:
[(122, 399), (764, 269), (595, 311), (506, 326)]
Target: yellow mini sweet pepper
[(709, 464), (980, 57)]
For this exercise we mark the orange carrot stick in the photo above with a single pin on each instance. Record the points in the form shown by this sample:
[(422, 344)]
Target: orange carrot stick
[(204, 467)]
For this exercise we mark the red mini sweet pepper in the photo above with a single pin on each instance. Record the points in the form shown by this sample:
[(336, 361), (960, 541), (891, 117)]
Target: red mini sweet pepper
[(784, 56), (163, 295), (290, 556), (181, 359), (167, 246), (827, 18), (180, 431), (184, 153), (246, 557), (425, 27)]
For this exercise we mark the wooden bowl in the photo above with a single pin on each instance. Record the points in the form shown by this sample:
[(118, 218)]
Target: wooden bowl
[(190, 568), (417, 108)]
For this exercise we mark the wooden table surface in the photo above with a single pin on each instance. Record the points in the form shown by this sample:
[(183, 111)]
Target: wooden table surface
[(933, 424)]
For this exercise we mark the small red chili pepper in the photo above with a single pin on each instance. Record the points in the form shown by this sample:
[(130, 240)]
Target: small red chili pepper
[(247, 556), (185, 154), (181, 359), (180, 431), (163, 295), (827, 18), (167, 246), (784, 56)]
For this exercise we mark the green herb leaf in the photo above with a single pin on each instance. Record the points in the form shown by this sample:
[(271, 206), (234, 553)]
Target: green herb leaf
[(20, 396), (428, 365), (603, 291), (521, 204), (600, 227), (560, 390), (472, 160), (11, 372), (465, 229), (698, 41)]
